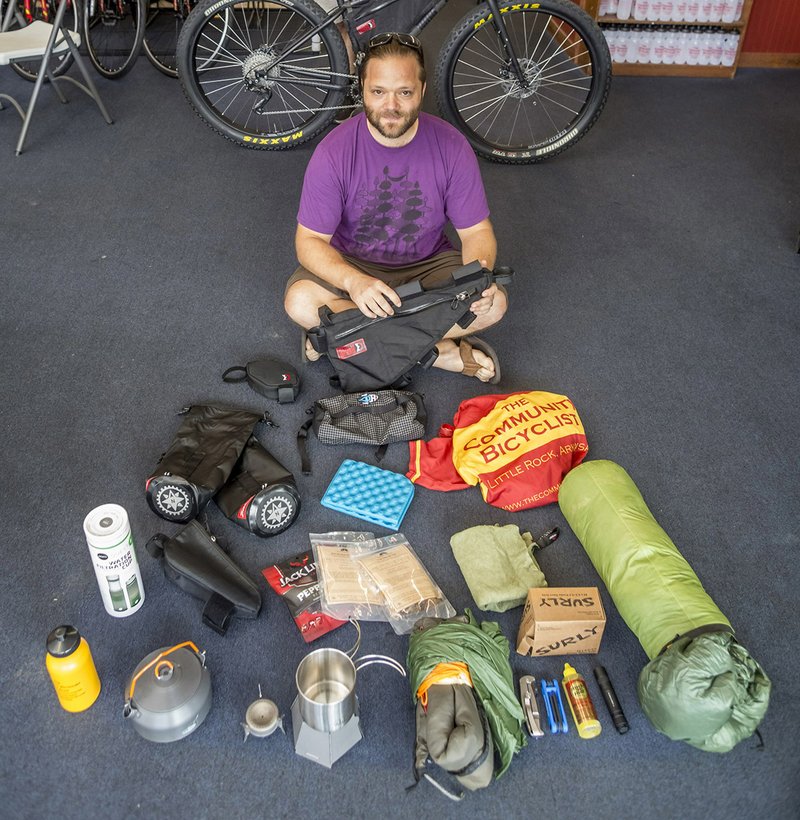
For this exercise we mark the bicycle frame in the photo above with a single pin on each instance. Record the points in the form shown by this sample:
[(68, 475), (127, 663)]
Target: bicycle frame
[(346, 8)]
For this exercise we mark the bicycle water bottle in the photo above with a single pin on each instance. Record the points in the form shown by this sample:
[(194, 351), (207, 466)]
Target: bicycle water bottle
[(71, 668)]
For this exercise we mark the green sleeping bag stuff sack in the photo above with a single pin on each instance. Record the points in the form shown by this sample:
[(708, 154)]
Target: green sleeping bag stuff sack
[(701, 686)]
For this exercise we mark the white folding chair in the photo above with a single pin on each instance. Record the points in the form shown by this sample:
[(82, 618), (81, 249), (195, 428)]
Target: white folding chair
[(40, 39)]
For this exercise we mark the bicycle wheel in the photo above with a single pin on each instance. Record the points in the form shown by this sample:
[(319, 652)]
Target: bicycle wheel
[(45, 10), (250, 69), (564, 59), (164, 22), (114, 30)]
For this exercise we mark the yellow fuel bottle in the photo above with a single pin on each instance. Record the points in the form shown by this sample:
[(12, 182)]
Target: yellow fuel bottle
[(580, 703)]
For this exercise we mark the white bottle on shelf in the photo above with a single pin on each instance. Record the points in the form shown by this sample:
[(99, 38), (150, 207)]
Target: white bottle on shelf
[(730, 45), (611, 41), (693, 45), (641, 9), (622, 46), (717, 10), (667, 10), (680, 53), (644, 46), (657, 51), (692, 10), (654, 12), (624, 9), (706, 49), (729, 12), (668, 54), (739, 10), (704, 11), (680, 10)]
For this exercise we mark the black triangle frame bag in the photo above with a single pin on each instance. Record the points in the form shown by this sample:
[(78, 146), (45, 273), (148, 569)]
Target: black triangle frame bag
[(370, 354)]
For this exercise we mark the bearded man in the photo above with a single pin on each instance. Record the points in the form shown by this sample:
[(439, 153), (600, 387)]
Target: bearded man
[(377, 195)]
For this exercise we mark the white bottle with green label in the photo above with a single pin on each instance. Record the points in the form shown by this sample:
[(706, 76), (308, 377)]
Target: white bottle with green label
[(110, 540)]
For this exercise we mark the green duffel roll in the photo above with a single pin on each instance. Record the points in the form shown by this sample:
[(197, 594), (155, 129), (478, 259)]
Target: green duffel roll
[(701, 685)]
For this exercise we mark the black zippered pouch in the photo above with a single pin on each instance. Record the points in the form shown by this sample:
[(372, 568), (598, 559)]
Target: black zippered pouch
[(269, 377)]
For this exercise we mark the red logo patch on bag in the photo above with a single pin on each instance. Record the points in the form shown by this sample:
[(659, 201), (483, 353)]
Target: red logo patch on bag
[(353, 349)]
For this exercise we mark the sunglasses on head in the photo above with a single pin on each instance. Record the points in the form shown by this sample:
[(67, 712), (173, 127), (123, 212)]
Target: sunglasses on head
[(384, 39)]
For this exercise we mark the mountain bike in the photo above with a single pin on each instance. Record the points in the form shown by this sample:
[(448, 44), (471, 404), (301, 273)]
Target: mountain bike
[(165, 19), (114, 30), (522, 81)]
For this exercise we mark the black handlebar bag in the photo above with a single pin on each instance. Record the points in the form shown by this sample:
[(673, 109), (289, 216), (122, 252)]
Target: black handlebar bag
[(261, 494), (199, 461), (370, 354)]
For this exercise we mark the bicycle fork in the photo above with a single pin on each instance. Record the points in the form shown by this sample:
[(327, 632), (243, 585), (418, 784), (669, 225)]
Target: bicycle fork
[(496, 19)]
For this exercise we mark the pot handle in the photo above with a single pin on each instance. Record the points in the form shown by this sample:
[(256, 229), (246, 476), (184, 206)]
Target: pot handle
[(159, 658), (384, 660)]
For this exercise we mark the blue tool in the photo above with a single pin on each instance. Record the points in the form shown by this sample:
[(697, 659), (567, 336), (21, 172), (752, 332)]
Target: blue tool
[(367, 492), (554, 706)]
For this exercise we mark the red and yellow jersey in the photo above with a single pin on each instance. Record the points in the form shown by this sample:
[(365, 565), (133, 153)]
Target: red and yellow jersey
[(518, 447)]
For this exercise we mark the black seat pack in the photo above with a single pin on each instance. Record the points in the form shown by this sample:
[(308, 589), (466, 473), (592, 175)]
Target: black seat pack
[(371, 354), (194, 561)]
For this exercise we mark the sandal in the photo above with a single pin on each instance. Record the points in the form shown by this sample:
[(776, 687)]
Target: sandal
[(471, 367)]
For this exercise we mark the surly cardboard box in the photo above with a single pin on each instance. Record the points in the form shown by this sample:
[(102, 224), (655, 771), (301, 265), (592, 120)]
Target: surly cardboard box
[(561, 621)]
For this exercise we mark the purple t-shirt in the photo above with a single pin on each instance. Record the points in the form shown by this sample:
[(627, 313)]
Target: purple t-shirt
[(391, 205)]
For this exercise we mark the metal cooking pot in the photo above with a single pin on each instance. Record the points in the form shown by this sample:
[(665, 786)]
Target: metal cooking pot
[(326, 683), (169, 693)]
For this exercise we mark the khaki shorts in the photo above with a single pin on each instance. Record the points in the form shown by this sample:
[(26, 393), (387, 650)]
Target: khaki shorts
[(429, 272)]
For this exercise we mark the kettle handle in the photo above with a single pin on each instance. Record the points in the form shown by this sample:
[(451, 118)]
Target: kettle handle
[(157, 658)]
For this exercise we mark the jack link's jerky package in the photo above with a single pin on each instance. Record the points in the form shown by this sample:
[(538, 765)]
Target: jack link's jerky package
[(295, 580)]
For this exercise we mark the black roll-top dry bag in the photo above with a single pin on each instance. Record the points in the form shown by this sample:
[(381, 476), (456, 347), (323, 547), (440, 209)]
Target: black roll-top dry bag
[(199, 461), (261, 494)]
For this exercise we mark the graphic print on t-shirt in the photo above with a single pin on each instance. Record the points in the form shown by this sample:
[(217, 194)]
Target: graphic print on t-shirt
[(391, 214)]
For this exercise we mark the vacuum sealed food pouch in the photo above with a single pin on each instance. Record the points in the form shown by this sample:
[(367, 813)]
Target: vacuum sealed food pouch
[(409, 591), (346, 588)]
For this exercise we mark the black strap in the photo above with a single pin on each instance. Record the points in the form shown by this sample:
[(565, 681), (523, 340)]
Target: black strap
[(217, 613), (302, 447), (155, 546), (427, 359), (227, 378)]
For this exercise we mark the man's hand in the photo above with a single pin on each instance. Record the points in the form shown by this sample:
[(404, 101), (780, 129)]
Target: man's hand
[(483, 305), (372, 297)]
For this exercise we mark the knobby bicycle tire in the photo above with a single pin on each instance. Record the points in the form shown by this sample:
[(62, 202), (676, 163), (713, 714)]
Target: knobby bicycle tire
[(114, 34), (566, 64), (29, 69), (225, 53), (164, 23)]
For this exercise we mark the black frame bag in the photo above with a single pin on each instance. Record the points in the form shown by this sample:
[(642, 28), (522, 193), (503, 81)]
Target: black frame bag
[(193, 560), (261, 494), (377, 417), (369, 354), (199, 461)]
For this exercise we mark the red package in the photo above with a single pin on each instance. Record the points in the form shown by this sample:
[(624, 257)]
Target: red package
[(295, 580)]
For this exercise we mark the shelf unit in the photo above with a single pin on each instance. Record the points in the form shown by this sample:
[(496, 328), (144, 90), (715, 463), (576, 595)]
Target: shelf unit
[(660, 69)]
